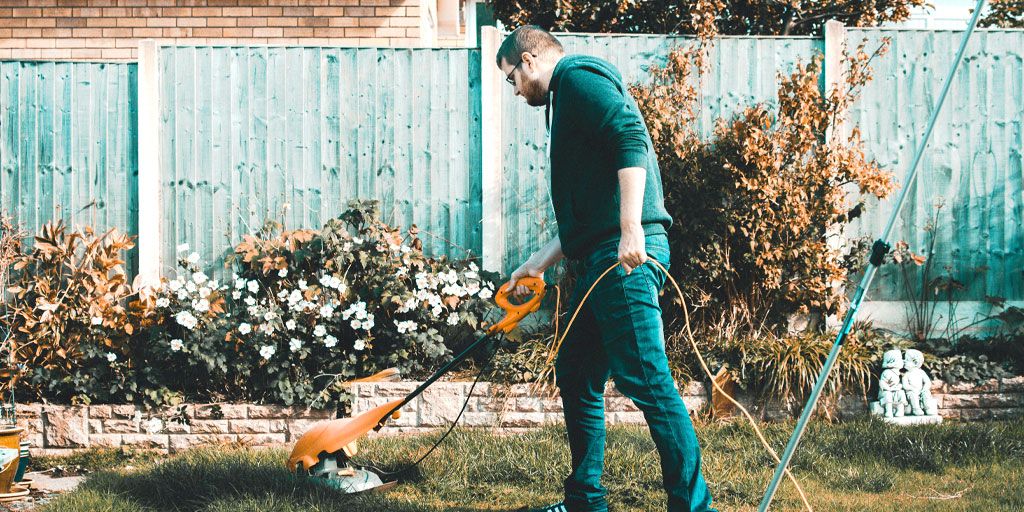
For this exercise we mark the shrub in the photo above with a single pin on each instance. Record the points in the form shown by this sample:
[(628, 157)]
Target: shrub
[(309, 309), (304, 311), (758, 204), (72, 321)]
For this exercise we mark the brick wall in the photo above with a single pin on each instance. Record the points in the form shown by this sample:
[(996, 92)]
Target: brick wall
[(56, 429), (111, 29)]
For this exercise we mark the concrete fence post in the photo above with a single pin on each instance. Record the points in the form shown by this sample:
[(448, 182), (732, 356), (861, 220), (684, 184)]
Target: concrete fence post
[(491, 113), (150, 235), (835, 74)]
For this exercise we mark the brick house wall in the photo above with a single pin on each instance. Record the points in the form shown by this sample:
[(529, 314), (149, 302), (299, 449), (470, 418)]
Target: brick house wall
[(110, 30)]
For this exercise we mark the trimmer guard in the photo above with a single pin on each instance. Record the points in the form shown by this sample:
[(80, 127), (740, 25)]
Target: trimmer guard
[(338, 435)]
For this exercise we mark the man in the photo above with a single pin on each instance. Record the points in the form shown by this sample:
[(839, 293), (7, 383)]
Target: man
[(609, 206)]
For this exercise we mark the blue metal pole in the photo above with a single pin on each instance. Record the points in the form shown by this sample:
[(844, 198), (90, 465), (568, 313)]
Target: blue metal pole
[(878, 251)]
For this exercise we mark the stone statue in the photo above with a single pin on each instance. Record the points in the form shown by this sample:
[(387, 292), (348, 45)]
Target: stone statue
[(891, 396), (917, 385)]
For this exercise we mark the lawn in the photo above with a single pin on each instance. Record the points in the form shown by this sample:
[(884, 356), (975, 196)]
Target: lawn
[(863, 465)]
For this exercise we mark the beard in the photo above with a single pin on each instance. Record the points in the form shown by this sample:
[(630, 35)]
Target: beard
[(534, 94)]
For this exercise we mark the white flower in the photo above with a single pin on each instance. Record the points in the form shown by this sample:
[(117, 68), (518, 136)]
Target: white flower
[(471, 274), (177, 344), (111, 357), (183, 248), (267, 328), (359, 309), (191, 287), (295, 344), (253, 286), (368, 323), (186, 320), (154, 425), (437, 310), (473, 267), (421, 280), (282, 293), (359, 344), (253, 310), (236, 295), (266, 351), (407, 305), (472, 288), (406, 326), (357, 240), (200, 278), (244, 328), (193, 258), (163, 302), (97, 320), (485, 293), (356, 324), (282, 273), (294, 297), (319, 330), (450, 277), (302, 284), (269, 316), (174, 285), (201, 305), (250, 301), (326, 311), (347, 247), (453, 319), (330, 341), (204, 292), (239, 283), (182, 294), (290, 324)]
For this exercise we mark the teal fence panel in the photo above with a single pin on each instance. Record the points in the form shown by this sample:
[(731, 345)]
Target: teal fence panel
[(972, 164), (68, 144), (293, 133), (744, 72)]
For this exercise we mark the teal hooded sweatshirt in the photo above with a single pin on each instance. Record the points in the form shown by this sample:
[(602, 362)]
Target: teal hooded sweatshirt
[(596, 129)]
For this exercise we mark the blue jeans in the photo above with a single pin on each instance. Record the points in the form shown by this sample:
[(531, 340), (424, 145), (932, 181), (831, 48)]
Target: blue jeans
[(619, 334)]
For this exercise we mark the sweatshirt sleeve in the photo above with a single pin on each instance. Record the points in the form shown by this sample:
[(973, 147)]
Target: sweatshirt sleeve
[(598, 105)]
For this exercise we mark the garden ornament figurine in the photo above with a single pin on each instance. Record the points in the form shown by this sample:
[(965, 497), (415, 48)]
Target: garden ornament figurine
[(917, 385), (891, 396)]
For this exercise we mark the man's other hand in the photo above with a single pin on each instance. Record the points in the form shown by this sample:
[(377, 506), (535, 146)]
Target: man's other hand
[(632, 248)]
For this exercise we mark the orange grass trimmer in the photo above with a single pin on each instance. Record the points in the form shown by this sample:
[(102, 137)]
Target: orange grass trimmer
[(326, 450)]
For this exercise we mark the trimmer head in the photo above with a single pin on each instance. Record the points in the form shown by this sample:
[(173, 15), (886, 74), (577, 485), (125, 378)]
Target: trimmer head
[(337, 471)]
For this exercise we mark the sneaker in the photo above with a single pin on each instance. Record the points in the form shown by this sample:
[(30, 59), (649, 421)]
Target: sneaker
[(557, 507)]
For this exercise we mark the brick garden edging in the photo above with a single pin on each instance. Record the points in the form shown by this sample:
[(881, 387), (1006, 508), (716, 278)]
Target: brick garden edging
[(56, 429)]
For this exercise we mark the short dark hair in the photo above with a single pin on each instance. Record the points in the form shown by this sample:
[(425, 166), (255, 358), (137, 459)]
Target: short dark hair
[(529, 39)]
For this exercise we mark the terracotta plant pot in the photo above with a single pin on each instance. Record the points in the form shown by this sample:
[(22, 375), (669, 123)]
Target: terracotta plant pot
[(10, 439)]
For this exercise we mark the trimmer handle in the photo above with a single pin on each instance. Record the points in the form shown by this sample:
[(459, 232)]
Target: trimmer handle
[(516, 312)]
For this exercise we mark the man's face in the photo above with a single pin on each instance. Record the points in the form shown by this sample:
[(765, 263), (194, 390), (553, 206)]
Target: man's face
[(526, 78)]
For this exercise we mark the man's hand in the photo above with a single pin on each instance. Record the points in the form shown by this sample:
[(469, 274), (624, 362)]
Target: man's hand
[(632, 249), (528, 269)]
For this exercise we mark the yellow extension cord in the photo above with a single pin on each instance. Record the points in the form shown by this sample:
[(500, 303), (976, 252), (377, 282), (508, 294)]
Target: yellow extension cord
[(693, 343)]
